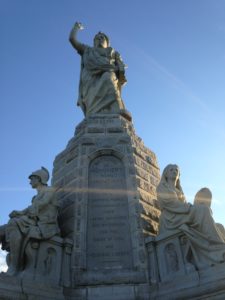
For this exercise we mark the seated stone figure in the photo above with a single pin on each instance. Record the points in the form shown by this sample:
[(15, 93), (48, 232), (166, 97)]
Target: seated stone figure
[(102, 75), (204, 197), (195, 221), (37, 221)]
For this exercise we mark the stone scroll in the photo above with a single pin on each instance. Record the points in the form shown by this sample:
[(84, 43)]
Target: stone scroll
[(108, 234)]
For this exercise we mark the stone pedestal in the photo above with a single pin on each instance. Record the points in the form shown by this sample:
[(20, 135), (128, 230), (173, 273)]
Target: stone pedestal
[(106, 183), (47, 270), (174, 275)]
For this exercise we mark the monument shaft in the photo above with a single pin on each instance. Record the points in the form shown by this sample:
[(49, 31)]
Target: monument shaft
[(108, 181)]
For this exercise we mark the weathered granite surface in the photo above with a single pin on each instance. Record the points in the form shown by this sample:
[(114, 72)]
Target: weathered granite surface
[(106, 181), (16, 288), (105, 185), (187, 257), (173, 274)]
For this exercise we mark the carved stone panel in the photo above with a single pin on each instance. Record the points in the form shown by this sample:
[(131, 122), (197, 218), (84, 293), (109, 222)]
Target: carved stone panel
[(108, 232)]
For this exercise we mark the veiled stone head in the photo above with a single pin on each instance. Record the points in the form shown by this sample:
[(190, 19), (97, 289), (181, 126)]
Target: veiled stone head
[(203, 196), (171, 172), (101, 40)]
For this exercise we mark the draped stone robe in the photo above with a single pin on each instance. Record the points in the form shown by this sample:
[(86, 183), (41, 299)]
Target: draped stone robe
[(195, 221), (39, 220), (101, 78)]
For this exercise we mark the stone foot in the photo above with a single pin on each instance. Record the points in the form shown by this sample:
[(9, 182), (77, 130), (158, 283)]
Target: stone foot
[(12, 271)]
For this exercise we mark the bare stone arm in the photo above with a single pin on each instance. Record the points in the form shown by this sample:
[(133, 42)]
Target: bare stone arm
[(73, 37)]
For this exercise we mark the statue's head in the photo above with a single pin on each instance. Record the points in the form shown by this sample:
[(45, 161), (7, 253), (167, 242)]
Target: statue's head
[(171, 171), (39, 177), (203, 196), (101, 40)]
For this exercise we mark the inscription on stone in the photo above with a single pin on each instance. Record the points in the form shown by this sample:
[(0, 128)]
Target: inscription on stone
[(108, 232)]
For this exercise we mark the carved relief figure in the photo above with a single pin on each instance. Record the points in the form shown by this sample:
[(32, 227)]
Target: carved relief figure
[(195, 221), (102, 75), (49, 261), (38, 221), (171, 258)]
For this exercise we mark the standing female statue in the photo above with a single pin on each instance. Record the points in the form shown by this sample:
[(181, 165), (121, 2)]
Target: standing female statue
[(195, 221), (102, 75)]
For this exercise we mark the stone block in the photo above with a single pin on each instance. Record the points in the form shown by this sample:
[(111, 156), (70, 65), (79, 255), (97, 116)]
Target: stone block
[(111, 293)]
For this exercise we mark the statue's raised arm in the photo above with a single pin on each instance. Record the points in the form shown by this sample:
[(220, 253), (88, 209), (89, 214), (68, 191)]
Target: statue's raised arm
[(102, 75), (73, 37)]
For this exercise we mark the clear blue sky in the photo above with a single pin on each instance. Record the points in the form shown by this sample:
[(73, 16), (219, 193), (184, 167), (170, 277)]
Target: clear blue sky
[(175, 52)]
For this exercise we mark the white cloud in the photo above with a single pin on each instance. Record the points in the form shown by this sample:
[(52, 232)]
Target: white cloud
[(3, 265)]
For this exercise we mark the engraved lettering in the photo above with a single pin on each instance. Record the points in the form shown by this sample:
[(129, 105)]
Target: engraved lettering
[(108, 223)]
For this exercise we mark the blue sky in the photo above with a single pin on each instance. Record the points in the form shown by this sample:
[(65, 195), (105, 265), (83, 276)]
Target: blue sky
[(175, 52)]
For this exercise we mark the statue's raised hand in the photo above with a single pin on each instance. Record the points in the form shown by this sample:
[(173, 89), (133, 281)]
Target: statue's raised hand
[(78, 26)]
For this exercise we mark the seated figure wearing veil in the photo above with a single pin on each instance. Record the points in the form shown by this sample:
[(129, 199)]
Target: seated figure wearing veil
[(102, 75), (195, 221)]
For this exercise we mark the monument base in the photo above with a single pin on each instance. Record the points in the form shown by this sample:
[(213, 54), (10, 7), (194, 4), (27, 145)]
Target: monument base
[(201, 285), (206, 284), (15, 288), (110, 292), (173, 273)]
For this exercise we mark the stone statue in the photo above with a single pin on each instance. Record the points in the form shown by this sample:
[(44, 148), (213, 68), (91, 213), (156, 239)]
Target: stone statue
[(204, 197), (37, 221), (102, 75), (195, 221)]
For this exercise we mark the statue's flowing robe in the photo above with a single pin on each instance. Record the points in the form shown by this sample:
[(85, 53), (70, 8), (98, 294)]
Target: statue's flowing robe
[(195, 221), (44, 225), (101, 78)]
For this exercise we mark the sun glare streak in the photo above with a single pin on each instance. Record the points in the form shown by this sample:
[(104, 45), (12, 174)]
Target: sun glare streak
[(97, 191), (14, 189), (171, 78)]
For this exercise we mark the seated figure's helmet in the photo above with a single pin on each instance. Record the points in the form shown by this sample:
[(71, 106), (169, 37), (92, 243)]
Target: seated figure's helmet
[(43, 174)]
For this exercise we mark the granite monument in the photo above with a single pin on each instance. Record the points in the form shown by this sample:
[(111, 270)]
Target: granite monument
[(97, 232)]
